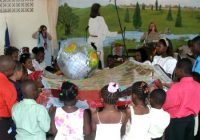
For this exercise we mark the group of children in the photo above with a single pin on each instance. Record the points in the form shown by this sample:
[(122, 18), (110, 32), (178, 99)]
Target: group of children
[(153, 114), (140, 121)]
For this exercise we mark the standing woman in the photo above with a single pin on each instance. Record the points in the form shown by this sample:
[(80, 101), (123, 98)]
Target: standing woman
[(98, 31), (44, 40)]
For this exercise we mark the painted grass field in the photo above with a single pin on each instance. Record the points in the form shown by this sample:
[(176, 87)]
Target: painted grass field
[(189, 20)]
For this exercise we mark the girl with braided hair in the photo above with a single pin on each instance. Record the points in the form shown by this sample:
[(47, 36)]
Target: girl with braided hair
[(69, 122), (110, 122), (138, 113)]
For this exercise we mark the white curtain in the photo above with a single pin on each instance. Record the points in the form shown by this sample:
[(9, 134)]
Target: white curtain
[(52, 11)]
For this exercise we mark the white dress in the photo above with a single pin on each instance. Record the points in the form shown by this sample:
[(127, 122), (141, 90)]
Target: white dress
[(139, 127), (167, 63), (108, 131), (98, 31), (69, 125)]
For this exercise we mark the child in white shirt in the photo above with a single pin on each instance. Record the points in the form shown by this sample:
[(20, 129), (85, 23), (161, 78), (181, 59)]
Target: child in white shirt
[(159, 118)]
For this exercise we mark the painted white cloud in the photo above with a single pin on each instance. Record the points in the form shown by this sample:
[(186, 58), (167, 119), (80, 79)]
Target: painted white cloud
[(88, 3)]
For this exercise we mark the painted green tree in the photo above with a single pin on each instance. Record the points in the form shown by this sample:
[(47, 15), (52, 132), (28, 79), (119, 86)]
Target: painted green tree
[(137, 20), (151, 7), (156, 5), (67, 19), (160, 7), (179, 18), (143, 6), (169, 15), (126, 16)]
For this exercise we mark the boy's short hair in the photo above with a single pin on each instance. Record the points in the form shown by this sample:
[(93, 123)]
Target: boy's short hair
[(196, 42), (158, 96), (37, 50), (185, 64), (10, 50), (24, 84)]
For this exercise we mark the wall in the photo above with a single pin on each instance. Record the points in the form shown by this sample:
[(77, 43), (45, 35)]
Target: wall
[(22, 25)]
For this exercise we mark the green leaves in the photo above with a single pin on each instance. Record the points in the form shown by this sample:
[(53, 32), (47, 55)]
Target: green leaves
[(67, 18)]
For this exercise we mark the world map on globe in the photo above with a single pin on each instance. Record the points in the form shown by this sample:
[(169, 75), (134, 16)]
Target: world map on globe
[(77, 62)]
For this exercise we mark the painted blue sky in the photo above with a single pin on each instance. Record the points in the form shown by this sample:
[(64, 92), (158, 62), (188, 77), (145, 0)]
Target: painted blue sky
[(88, 3)]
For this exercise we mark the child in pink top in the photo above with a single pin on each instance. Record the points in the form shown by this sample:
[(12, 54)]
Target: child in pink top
[(182, 103), (69, 122)]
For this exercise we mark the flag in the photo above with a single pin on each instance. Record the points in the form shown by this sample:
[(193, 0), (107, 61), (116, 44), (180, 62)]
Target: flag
[(7, 38)]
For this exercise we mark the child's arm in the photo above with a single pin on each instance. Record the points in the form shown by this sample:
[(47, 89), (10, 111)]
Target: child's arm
[(53, 129), (43, 119), (124, 121), (94, 123), (86, 125)]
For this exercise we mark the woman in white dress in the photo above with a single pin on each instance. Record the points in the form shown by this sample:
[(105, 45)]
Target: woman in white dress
[(98, 31)]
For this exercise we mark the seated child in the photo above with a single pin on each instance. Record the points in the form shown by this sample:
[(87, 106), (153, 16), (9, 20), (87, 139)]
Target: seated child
[(110, 122), (69, 122), (159, 118), (142, 56), (32, 120), (38, 61), (26, 61), (17, 76), (139, 113), (164, 57)]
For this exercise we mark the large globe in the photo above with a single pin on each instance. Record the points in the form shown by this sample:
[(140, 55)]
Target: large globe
[(77, 62)]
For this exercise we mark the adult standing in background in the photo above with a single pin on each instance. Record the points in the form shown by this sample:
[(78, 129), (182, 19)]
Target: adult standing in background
[(44, 40), (152, 35), (8, 96), (98, 31)]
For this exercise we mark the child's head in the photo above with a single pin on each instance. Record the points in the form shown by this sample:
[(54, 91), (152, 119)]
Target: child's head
[(26, 60), (141, 55), (69, 92), (7, 65), (24, 50), (183, 68), (18, 71), (39, 54), (195, 47), (13, 52), (29, 89), (140, 91), (157, 98), (164, 47), (109, 93)]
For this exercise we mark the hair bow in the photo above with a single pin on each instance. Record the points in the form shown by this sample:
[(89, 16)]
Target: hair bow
[(113, 87)]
